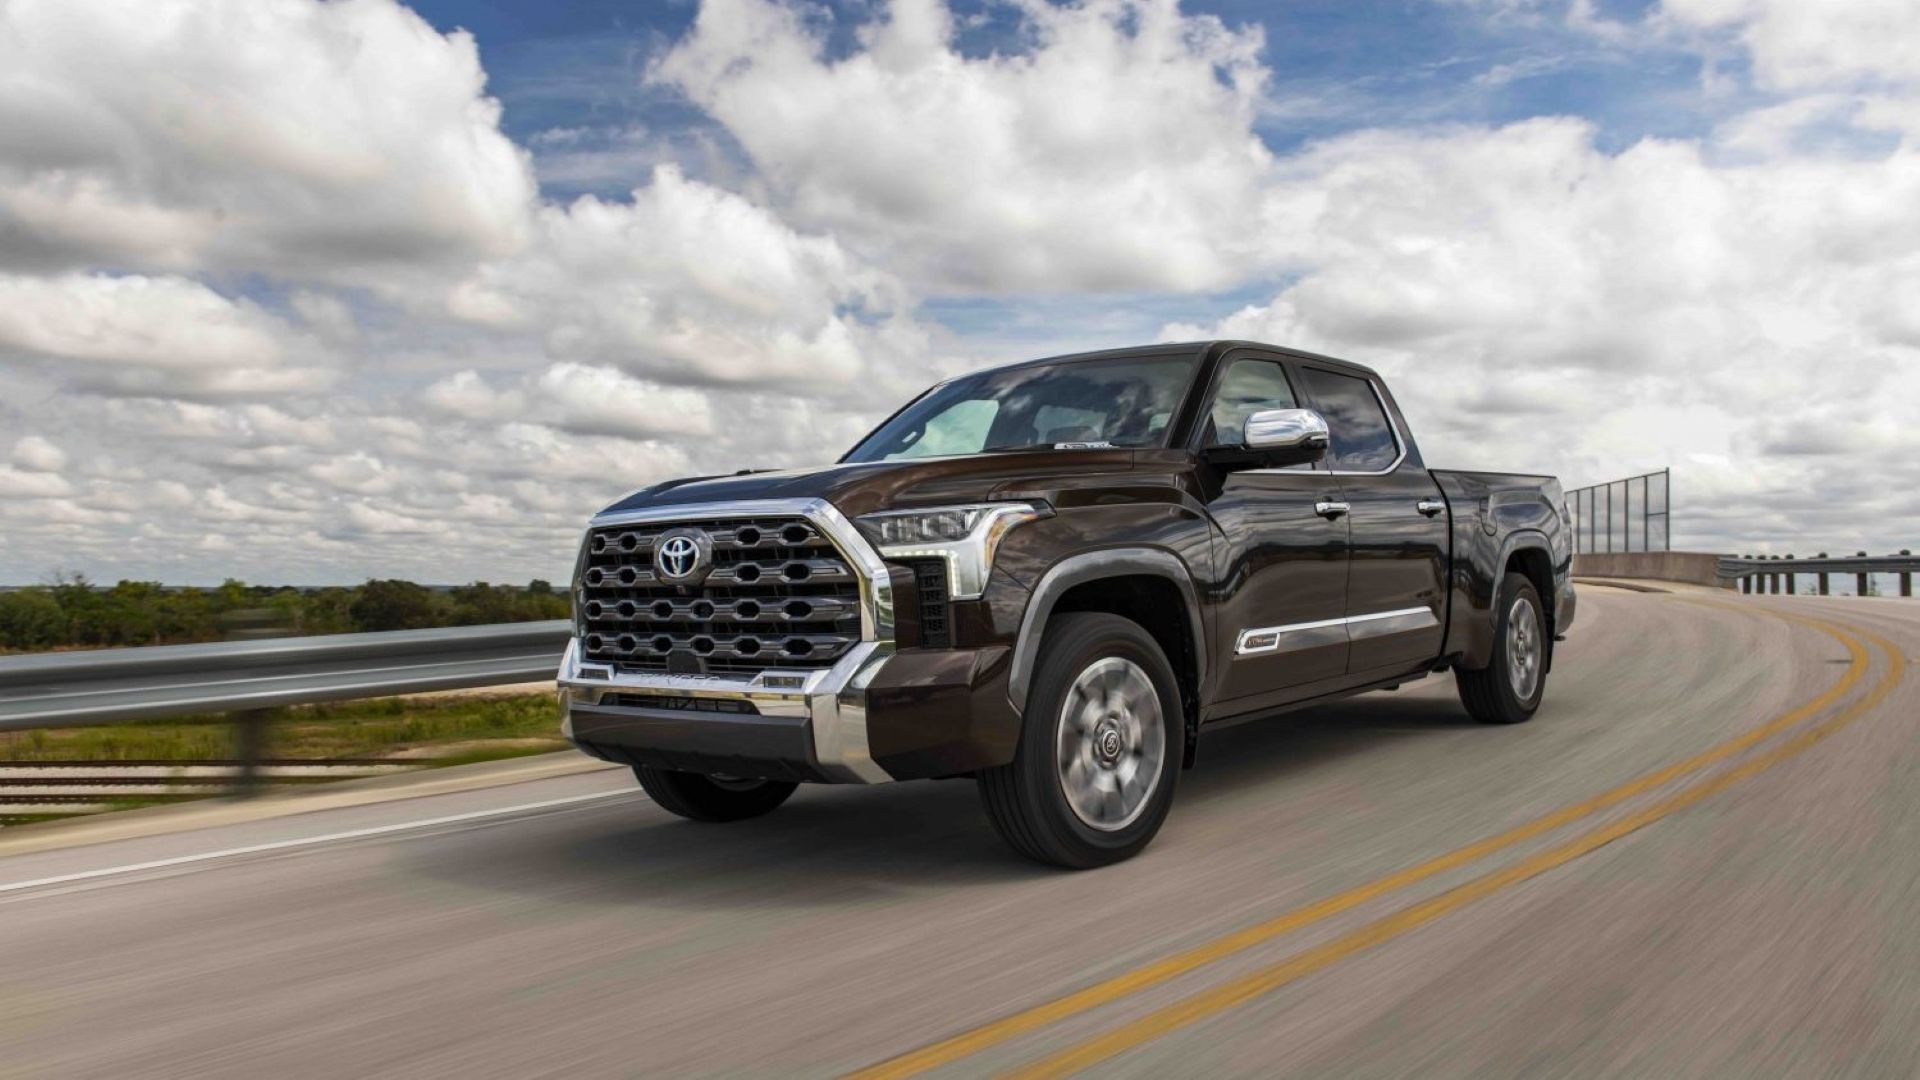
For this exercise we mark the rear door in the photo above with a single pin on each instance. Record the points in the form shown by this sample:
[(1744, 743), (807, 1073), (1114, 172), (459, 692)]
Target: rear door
[(1399, 533), (1284, 580)]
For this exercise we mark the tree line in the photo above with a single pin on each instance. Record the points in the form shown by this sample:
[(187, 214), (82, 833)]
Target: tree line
[(75, 613)]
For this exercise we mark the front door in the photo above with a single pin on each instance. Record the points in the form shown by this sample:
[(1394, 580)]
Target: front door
[(1396, 599), (1283, 543)]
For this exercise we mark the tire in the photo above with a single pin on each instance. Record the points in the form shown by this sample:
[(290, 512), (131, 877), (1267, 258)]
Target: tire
[(706, 798), (1098, 682), (1504, 692)]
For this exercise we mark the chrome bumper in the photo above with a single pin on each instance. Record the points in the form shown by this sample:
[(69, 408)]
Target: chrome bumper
[(832, 701)]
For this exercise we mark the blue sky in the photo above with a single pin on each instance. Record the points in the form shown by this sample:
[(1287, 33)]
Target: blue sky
[(1336, 65)]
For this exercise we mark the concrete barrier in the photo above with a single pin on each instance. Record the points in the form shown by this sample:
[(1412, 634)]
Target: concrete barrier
[(1696, 568)]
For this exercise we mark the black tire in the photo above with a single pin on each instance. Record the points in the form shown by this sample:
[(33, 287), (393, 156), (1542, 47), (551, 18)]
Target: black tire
[(1495, 694), (704, 798), (1027, 800)]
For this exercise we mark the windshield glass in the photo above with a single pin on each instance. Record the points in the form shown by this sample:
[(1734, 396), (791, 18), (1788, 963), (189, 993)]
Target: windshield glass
[(1104, 402)]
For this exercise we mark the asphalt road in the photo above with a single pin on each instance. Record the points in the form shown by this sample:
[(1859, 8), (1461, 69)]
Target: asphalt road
[(1701, 858)]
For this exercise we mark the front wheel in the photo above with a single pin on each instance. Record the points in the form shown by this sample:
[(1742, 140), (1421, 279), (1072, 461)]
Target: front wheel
[(1508, 689), (711, 798), (1094, 773)]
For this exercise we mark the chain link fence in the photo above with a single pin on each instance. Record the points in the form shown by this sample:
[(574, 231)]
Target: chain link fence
[(1623, 515)]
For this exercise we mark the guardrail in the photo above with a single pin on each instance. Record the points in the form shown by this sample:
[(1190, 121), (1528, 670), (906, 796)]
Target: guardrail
[(1778, 573), (247, 678)]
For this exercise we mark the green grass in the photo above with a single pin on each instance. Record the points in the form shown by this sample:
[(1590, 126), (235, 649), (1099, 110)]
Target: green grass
[(343, 730)]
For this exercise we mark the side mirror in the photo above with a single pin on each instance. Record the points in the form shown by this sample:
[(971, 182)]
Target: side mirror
[(1298, 435)]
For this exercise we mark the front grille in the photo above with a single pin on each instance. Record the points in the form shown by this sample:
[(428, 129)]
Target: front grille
[(780, 595)]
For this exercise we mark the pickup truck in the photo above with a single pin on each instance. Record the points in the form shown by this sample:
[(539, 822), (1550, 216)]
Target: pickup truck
[(1054, 578)]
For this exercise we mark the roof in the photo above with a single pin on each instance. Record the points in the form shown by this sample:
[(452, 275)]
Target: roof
[(1172, 348)]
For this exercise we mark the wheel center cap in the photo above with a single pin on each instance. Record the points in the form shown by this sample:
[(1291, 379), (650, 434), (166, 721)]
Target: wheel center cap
[(1108, 743)]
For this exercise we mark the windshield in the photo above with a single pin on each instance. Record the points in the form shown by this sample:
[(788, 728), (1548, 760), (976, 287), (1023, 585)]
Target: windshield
[(1103, 402)]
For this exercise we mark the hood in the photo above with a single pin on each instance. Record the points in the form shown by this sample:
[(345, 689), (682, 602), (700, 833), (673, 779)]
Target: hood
[(886, 485)]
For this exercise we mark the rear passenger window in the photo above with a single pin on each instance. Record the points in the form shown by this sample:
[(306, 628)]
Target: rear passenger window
[(1248, 387), (1363, 439)]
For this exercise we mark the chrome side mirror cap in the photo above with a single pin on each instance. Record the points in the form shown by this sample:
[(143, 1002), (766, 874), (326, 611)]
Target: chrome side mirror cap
[(1287, 429)]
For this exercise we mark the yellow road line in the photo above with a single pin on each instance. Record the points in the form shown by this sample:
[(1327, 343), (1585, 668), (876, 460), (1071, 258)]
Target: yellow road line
[(1245, 988), (967, 1043)]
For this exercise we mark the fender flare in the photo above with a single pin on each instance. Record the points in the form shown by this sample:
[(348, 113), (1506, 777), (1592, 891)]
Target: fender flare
[(1520, 540), (1480, 561), (1094, 566)]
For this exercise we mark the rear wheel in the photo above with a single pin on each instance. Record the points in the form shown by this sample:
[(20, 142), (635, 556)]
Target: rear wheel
[(1509, 688), (711, 798), (1093, 777)]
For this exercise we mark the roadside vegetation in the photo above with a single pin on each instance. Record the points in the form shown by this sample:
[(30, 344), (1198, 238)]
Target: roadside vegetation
[(74, 613), (446, 730)]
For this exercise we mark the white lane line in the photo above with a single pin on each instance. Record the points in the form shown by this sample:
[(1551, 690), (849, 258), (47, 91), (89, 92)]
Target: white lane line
[(306, 841)]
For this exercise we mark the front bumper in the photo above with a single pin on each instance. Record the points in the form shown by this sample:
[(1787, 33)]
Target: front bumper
[(878, 715), (780, 724)]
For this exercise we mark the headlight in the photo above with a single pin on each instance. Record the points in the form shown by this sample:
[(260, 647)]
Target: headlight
[(964, 536)]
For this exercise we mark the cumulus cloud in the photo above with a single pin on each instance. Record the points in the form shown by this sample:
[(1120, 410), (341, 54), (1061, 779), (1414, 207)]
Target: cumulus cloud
[(1796, 45), (1116, 152), (1542, 303), (279, 264), (159, 322), (578, 398), (149, 335), (685, 282), (468, 396), (279, 136), (601, 401), (36, 454), (31, 484)]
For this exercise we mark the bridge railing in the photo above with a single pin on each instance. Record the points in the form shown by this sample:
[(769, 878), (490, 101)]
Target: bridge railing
[(247, 678), (1780, 573)]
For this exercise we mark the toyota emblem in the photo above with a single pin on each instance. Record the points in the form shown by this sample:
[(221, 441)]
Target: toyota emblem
[(679, 555)]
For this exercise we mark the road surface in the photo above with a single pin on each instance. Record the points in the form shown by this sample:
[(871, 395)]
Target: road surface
[(1701, 858)]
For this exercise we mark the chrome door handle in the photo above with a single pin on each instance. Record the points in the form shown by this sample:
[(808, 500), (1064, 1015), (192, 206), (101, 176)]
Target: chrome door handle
[(1329, 509), (1430, 507)]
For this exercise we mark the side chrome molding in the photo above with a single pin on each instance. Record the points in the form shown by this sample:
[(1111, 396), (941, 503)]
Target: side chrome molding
[(1294, 636)]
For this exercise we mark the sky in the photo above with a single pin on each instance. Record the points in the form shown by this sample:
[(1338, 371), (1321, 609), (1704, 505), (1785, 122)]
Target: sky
[(314, 291)]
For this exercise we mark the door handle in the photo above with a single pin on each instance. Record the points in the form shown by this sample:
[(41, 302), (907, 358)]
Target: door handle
[(1430, 507), (1329, 509)]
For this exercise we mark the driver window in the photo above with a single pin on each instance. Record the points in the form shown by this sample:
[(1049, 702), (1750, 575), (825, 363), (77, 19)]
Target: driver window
[(1248, 387)]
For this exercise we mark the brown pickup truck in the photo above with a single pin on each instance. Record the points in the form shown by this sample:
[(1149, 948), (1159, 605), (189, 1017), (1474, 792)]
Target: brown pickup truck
[(1054, 578)]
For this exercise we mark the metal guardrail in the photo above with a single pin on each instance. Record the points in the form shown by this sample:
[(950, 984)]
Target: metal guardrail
[(247, 678), (1761, 573), (109, 685)]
